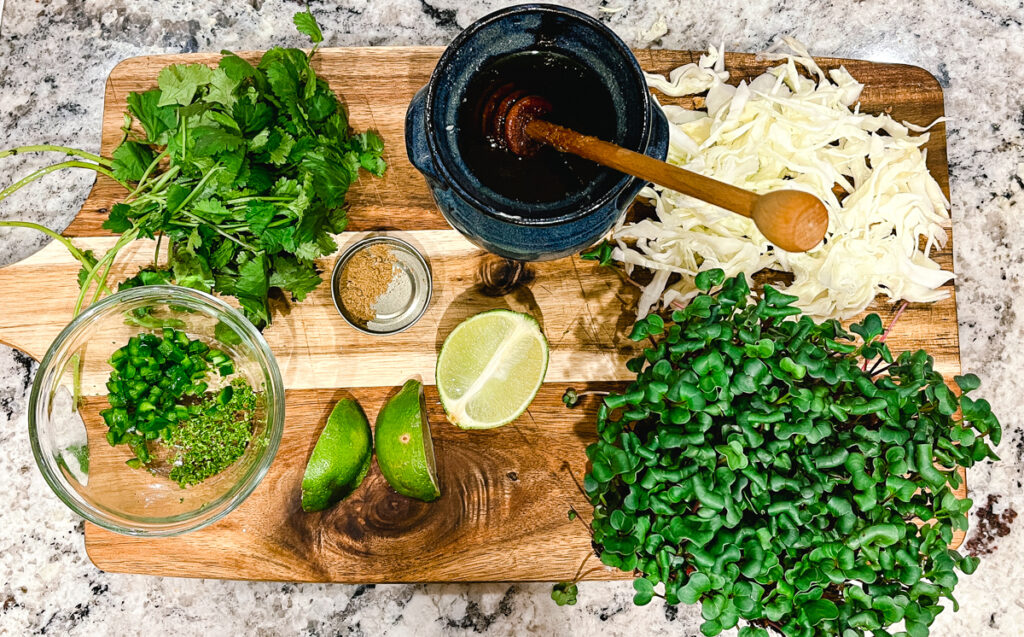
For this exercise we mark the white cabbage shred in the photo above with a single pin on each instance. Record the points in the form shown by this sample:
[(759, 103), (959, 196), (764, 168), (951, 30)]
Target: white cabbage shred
[(787, 130)]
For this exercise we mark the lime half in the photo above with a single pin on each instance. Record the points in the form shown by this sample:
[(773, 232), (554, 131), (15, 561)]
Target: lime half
[(405, 451), (340, 459), (490, 368)]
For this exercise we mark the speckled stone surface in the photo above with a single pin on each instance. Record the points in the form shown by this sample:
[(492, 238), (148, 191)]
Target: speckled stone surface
[(54, 57)]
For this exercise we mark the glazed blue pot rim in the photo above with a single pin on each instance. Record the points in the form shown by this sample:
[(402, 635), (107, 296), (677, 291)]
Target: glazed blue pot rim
[(432, 86)]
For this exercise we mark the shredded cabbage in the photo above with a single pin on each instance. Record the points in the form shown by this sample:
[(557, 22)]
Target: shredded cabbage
[(787, 130)]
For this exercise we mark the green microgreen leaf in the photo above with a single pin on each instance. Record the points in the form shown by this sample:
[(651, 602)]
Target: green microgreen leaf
[(564, 593), (755, 467)]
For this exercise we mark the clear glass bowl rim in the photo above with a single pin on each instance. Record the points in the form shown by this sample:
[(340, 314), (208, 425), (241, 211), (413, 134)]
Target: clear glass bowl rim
[(275, 409)]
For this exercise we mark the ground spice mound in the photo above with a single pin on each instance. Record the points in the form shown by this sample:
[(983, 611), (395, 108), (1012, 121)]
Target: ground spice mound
[(991, 527), (364, 279)]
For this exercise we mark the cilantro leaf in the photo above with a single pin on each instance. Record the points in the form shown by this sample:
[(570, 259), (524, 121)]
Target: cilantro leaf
[(323, 103), (235, 67), (222, 88), (131, 160), (194, 241), (273, 240), (371, 141), (155, 120), (118, 221), (337, 219), (298, 278), (252, 278), (252, 117), (372, 148), (279, 155), (564, 593), (192, 271), (288, 73), (221, 119), (251, 289), (212, 210), (210, 140), (255, 310), (146, 276), (306, 24), (176, 195), (234, 136), (90, 258), (259, 142), (222, 255), (372, 163), (258, 214), (329, 177), (178, 83)]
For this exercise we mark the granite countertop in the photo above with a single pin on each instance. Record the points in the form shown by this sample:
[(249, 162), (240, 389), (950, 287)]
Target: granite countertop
[(54, 57)]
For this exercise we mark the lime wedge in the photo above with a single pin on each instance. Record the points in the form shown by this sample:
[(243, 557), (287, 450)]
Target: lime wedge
[(490, 368), (405, 451), (340, 459)]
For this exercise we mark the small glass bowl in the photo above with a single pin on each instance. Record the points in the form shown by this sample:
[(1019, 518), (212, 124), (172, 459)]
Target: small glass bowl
[(70, 445)]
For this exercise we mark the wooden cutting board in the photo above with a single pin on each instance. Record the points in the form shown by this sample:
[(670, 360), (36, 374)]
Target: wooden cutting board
[(506, 492)]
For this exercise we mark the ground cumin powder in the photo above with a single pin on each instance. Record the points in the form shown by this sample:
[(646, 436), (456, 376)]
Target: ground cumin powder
[(364, 279)]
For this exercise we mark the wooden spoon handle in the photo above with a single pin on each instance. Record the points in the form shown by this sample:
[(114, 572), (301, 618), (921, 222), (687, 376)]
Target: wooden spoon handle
[(662, 173)]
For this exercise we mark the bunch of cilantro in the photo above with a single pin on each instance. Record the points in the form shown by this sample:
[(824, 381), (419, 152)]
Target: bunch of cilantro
[(243, 170)]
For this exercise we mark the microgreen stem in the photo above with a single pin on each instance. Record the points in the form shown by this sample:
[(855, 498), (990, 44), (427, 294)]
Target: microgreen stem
[(42, 172), (881, 339), (586, 559), (42, 148)]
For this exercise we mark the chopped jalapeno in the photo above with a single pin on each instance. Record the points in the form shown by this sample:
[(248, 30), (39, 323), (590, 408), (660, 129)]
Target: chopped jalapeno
[(158, 390)]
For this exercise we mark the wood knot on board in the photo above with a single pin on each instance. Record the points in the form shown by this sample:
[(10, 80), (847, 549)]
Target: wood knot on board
[(499, 276)]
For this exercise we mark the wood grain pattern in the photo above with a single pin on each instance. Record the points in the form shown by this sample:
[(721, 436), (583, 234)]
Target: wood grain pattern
[(502, 516)]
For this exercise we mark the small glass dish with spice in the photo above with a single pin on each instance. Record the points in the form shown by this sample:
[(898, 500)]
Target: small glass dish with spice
[(157, 411), (381, 285)]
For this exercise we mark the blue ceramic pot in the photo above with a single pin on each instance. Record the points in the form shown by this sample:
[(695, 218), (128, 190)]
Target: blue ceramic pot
[(510, 228)]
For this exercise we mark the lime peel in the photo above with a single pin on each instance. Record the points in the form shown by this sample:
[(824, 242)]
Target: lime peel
[(340, 459), (405, 449)]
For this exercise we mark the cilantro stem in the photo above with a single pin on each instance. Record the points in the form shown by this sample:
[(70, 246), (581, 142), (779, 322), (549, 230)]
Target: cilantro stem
[(156, 252), (149, 170), (42, 172), (124, 240), (71, 152), (241, 200), (198, 188), (161, 181), (281, 222), (76, 381), (216, 229), (75, 252), (102, 282), (195, 193)]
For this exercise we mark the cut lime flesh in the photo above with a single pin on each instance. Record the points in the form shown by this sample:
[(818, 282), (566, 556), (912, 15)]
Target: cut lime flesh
[(490, 368)]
